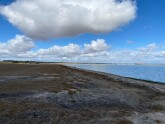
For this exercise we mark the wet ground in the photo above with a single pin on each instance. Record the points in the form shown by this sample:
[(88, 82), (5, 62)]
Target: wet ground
[(49, 93)]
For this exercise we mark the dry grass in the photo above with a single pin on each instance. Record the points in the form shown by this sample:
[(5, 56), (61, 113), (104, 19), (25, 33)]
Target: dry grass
[(158, 121), (125, 122), (157, 108)]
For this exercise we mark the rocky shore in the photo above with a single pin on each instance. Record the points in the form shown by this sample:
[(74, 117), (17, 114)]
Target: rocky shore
[(52, 93)]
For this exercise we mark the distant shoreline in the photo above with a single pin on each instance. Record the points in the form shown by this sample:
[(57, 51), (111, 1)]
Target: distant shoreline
[(40, 62)]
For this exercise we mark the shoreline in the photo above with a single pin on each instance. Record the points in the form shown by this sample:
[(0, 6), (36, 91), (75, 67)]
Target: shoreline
[(55, 93), (102, 71), (122, 78)]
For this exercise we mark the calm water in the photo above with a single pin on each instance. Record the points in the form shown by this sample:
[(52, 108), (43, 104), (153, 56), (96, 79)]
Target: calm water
[(147, 72)]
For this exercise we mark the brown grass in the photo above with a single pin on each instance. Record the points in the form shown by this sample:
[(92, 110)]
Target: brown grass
[(157, 108), (125, 122), (158, 121)]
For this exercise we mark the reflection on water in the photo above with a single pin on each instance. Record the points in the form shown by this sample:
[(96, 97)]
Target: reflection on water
[(146, 72)]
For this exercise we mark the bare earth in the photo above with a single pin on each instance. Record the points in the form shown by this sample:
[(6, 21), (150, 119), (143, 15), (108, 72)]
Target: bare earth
[(51, 93)]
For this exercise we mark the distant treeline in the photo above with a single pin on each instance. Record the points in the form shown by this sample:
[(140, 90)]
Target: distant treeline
[(15, 61), (28, 62)]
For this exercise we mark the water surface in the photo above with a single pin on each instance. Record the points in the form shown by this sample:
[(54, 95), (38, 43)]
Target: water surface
[(145, 72)]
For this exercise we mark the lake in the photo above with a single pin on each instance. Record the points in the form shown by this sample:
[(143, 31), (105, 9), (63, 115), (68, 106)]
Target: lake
[(145, 72)]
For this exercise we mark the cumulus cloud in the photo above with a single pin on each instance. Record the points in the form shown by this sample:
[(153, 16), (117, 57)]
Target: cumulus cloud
[(59, 51), (21, 47), (60, 18), (95, 46), (150, 47), (162, 54), (20, 44)]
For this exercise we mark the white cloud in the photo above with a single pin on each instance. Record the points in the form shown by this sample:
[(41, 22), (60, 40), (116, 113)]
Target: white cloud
[(130, 42), (58, 51), (96, 46), (150, 47), (120, 56), (97, 51), (60, 18), (21, 47), (20, 44)]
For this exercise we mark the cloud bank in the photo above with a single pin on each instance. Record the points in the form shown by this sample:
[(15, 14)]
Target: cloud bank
[(21, 48), (61, 18), (20, 44)]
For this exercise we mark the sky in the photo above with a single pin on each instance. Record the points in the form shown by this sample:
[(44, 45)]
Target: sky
[(102, 31)]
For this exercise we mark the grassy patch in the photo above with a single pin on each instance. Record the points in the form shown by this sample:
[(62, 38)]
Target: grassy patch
[(122, 113), (157, 108), (70, 88), (3, 105), (158, 121), (125, 122), (71, 92), (11, 109)]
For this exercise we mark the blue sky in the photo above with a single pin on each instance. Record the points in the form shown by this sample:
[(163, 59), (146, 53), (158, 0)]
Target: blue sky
[(144, 31)]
